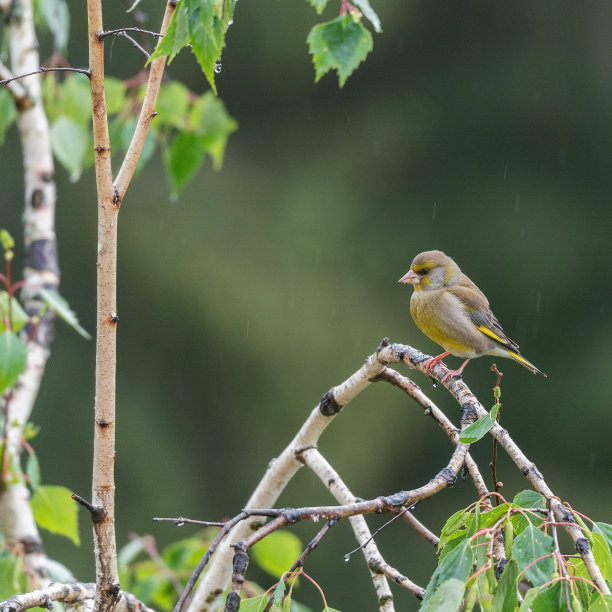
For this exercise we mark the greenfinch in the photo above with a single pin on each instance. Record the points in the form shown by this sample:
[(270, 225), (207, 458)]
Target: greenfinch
[(451, 310)]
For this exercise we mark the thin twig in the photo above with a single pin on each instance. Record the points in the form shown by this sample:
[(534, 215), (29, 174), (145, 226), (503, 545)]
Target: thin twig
[(42, 69), (180, 521), (120, 31)]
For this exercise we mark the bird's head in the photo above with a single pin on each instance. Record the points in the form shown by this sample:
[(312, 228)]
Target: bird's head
[(431, 270)]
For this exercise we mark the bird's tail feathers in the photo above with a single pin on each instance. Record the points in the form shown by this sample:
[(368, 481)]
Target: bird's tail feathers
[(525, 363)]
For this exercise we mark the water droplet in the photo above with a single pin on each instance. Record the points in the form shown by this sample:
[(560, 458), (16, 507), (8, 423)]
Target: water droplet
[(434, 383), (180, 523), (230, 22), (347, 558), (218, 67)]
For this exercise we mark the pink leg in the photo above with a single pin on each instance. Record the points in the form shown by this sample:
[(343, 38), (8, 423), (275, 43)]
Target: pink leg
[(455, 372), (435, 360)]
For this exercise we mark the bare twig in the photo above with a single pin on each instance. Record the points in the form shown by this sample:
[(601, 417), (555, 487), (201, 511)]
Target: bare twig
[(120, 31), (42, 69), (180, 521)]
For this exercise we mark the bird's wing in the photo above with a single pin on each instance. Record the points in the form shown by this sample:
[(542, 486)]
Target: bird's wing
[(477, 308)]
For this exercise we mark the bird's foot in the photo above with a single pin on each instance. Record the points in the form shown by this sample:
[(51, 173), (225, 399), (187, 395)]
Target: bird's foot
[(430, 363), (455, 373)]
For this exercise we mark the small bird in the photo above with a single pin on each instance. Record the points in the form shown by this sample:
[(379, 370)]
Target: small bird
[(451, 310)]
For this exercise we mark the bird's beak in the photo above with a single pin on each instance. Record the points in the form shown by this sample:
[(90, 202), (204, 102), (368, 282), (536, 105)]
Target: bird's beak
[(410, 277)]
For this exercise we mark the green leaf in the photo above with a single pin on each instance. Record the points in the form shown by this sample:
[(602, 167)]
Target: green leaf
[(18, 318), (341, 44), (56, 17), (177, 34), (489, 517), (183, 158), (184, 554), (527, 499), (115, 95), (553, 597), (279, 592), (128, 553), (6, 239), (33, 471), (62, 309), (172, 105), (480, 428), (448, 597), (505, 599), (601, 552), (457, 522), (207, 42), (13, 356), (277, 552), (31, 430), (319, 5), (76, 99), (528, 599), (457, 564), (368, 11), (212, 122), (56, 511), (13, 579), (601, 603), (254, 604), (605, 530), (529, 545), (69, 141), (8, 112)]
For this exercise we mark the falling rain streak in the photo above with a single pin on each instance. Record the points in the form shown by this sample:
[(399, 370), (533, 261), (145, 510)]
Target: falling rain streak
[(433, 212)]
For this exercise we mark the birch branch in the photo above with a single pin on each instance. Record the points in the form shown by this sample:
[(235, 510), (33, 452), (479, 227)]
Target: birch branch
[(41, 269), (278, 474), (147, 113), (103, 479), (376, 564), (468, 401), (81, 593)]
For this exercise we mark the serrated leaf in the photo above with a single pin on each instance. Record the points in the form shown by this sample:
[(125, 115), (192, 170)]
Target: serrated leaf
[(448, 597), (457, 564), (319, 5), (529, 545), (13, 358), (115, 95), (207, 42), (529, 598), (18, 317), (8, 112), (62, 309), (601, 552), (458, 521), (56, 511), (254, 604), (505, 599), (554, 597), (370, 14), (277, 552), (33, 471), (69, 141), (489, 517), (279, 591), (480, 428), (527, 499), (177, 34), (341, 44), (605, 530)]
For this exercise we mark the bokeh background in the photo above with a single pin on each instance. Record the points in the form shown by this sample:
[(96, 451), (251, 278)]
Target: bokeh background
[(482, 129)]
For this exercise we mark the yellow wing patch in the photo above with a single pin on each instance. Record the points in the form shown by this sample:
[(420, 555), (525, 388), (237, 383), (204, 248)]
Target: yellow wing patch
[(492, 334)]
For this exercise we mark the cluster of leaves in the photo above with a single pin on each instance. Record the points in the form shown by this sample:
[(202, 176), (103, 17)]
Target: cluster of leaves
[(187, 127), (536, 575)]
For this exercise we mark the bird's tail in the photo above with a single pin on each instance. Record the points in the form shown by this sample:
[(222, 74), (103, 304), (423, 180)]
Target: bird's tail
[(527, 364)]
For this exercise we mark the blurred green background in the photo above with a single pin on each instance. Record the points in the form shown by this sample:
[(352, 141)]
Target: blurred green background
[(482, 129)]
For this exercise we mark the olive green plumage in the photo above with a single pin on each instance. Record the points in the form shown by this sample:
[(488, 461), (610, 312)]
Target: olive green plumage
[(451, 310)]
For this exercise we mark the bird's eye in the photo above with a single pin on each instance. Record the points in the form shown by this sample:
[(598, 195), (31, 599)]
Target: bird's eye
[(423, 271)]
